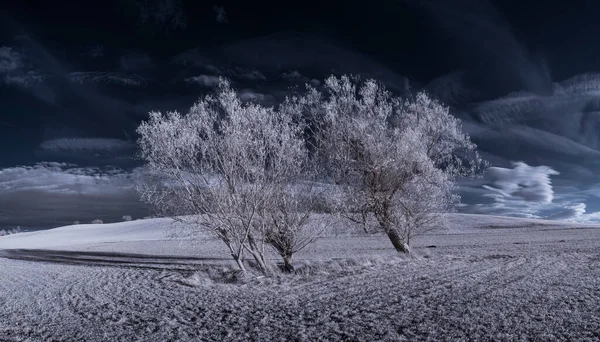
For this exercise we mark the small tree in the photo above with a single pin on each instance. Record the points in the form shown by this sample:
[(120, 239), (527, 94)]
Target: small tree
[(398, 159), (223, 162), (291, 223), (126, 218)]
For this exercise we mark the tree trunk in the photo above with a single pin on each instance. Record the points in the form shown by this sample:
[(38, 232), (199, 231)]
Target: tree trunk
[(287, 263), (398, 241), (258, 256), (239, 262)]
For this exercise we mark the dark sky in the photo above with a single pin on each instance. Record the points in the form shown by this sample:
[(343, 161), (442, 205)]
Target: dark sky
[(77, 77)]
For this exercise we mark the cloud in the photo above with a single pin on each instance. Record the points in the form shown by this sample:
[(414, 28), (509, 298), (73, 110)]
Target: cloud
[(10, 60), (24, 80), (203, 80), (292, 50), (248, 74), (588, 84), (107, 77), (86, 144), (52, 177), (496, 54), (13, 69), (527, 191), (450, 88), (251, 95), (51, 194), (221, 15), (529, 183), (568, 212), (294, 76)]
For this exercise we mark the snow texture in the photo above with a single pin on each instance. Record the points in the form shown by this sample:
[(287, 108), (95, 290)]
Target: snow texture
[(479, 278)]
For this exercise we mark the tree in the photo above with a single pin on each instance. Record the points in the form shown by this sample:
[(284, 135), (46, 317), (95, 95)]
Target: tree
[(292, 225), (225, 163), (397, 159)]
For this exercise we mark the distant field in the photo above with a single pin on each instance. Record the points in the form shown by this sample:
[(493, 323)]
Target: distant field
[(480, 278)]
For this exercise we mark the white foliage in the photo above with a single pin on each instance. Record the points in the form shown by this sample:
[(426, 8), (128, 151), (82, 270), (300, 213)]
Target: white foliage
[(224, 161), (397, 158)]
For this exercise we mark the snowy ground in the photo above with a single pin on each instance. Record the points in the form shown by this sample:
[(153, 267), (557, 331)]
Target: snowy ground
[(482, 278)]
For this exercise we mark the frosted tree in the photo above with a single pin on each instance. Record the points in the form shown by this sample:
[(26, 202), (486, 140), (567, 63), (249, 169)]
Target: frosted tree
[(292, 223), (396, 159), (225, 162)]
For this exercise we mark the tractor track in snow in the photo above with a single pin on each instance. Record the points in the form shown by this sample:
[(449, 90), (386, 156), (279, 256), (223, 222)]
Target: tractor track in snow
[(482, 294)]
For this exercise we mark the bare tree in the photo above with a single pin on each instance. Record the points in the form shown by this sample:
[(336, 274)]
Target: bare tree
[(398, 159), (224, 163)]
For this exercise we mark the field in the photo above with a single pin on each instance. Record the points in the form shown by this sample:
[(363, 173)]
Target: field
[(480, 278)]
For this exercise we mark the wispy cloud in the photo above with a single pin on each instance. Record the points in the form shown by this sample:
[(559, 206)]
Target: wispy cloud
[(221, 15), (51, 194), (107, 77), (248, 74), (253, 96), (450, 88), (24, 80), (86, 144), (63, 178), (482, 29), (526, 191), (14, 70), (10, 60), (294, 76), (203, 80)]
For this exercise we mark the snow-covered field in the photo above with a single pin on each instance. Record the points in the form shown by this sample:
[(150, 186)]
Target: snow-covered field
[(480, 278)]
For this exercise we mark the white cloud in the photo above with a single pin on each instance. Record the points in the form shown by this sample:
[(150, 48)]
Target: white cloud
[(251, 95), (580, 84), (528, 183), (203, 80), (54, 194), (527, 191), (572, 211), (51, 177), (221, 14)]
